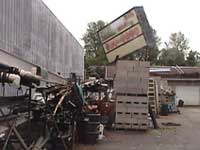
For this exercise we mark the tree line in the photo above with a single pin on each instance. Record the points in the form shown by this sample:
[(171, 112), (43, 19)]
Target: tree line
[(176, 51)]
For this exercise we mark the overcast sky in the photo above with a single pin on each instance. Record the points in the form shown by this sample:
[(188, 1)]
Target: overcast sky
[(166, 16)]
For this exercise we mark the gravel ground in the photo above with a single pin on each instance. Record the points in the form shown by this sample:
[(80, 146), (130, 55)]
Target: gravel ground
[(184, 137)]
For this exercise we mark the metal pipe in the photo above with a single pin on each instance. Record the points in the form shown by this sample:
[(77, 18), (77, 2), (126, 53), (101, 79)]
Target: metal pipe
[(4, 67), (26, 76), (9, 78)]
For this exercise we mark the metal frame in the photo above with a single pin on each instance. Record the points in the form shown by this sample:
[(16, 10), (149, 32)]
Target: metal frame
[(55, 113)]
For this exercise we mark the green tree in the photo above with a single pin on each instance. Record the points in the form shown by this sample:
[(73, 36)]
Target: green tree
[(94, 53), (154, 51), (150, 53), (175, 50), (178, 41), (192, 58), (171, 57)]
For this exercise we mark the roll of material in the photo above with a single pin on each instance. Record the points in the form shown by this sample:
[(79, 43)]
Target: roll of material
[(4, 67), (27, 78), (15, 75), (10, 78), (24, 78)]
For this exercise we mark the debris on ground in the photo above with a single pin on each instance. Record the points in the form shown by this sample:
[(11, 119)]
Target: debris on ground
[(170, 124)]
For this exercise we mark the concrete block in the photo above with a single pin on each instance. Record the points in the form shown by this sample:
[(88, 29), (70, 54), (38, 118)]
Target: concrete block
[(143, 122), (127, 125), (135, 126), (128, 65), (119, 125), (121, 108), (131, 104), (120, 86), (121, 74), (126, 115), (137, 110), (141, 110)]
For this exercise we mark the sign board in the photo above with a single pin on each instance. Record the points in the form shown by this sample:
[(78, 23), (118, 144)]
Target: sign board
[(122, 23), (126, 34)]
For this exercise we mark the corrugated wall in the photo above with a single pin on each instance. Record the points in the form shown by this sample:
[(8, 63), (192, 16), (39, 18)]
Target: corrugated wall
[(30, 31)]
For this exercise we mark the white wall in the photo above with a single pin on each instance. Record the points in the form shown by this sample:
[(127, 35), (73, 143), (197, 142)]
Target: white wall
[(189, 94)]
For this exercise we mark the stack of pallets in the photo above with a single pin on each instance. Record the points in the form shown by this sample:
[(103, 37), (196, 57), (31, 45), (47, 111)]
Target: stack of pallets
[(131, 85)]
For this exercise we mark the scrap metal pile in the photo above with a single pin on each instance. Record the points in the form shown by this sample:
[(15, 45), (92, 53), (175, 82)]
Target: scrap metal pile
[(99, 101), (45, 121)]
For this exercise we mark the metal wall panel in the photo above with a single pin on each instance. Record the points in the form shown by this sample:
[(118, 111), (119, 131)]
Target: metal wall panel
[(30, 31)]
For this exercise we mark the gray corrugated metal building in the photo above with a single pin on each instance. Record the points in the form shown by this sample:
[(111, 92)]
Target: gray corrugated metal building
[(31, 32)]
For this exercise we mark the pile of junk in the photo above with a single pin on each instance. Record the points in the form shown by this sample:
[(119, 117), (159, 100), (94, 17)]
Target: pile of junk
[(99, 109), (54, 116)]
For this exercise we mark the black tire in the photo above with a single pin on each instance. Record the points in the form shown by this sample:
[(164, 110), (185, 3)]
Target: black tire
[(93, 117)]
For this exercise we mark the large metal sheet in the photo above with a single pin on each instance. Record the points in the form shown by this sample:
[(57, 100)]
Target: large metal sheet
[(30, 31), (118, 25), (128, 48), (126, 34)]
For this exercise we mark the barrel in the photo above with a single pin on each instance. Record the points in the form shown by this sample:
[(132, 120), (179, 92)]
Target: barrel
[(93, 117), (89, 128), (91, 137), (164, 110)]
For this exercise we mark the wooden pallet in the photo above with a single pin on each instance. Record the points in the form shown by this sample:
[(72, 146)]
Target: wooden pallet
[(139, 125), (131, 94), (131, 117), (132, 101)]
